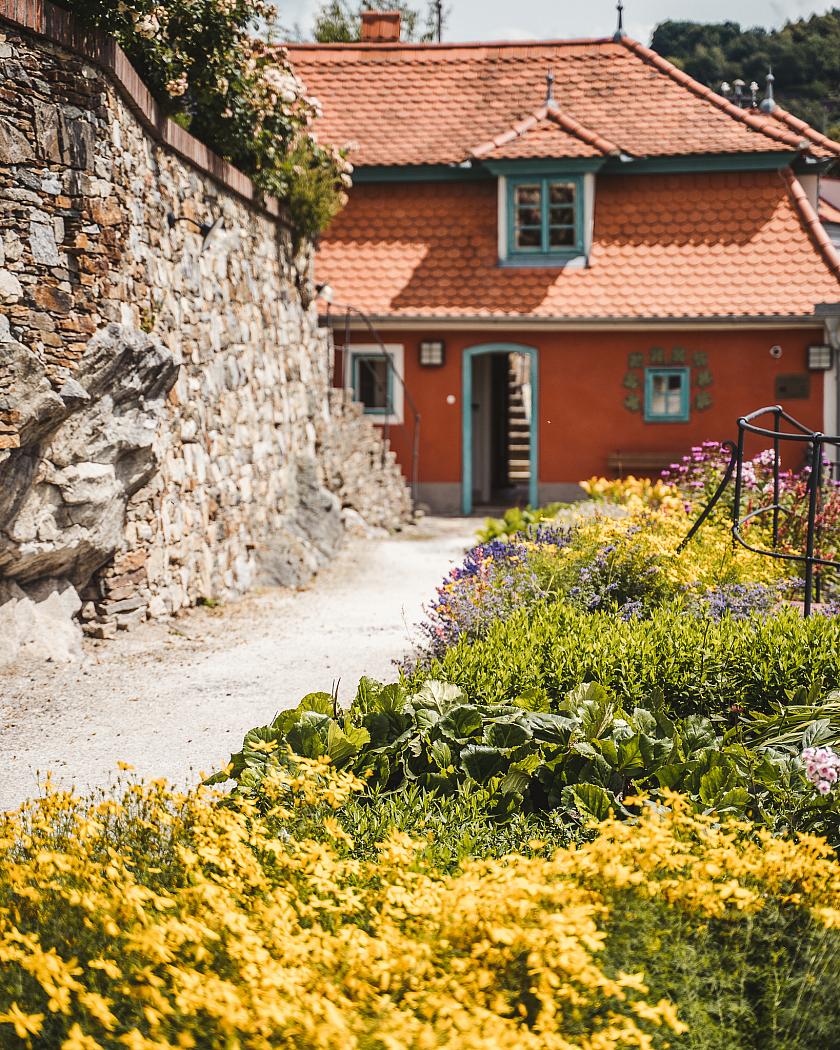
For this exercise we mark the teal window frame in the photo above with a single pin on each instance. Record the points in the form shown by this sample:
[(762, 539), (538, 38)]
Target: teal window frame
[(685, 395), (388, 409), (545, 252)]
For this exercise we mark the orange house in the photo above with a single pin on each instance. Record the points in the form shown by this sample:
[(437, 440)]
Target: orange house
[(567, 259)]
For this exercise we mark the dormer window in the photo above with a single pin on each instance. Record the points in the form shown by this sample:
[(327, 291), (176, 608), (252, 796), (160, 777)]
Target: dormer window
[(545, 217), (545, 213)]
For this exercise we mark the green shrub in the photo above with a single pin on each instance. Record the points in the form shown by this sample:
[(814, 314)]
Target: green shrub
[(694, 665), (517, 519), (505, 762)]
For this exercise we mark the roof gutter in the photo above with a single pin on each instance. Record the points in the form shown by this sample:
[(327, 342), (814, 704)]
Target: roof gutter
[(429, 323)]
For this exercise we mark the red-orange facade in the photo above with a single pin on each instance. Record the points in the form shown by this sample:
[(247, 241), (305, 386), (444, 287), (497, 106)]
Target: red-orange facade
[(582, 420), (697, 273)]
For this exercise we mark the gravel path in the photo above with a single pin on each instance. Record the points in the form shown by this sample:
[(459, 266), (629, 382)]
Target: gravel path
[(176, 698)]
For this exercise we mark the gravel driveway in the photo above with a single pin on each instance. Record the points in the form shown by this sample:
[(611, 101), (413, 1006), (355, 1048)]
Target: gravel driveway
[(176, 698)]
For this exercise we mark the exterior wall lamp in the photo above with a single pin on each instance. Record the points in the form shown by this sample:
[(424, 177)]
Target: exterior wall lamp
[(820, 358), (206, 229), (432, 354)]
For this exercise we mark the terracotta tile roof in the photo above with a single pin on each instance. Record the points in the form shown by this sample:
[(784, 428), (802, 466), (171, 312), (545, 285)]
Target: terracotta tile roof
[(824, 146), (704, 245), (811, 222), (436, 104), (545, 134)]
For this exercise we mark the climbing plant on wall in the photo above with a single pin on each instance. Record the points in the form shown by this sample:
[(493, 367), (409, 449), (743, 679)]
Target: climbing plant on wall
[(206, 65), (658, 357)]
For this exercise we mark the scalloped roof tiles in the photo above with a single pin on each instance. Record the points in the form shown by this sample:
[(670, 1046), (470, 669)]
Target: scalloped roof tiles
[(705, 246), (436, 104)]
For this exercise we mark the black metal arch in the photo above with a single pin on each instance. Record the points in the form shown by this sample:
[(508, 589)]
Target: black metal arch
[(798, 434)]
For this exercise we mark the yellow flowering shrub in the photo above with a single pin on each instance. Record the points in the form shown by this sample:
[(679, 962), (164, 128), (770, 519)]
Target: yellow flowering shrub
[(157, 920), (635, 493)]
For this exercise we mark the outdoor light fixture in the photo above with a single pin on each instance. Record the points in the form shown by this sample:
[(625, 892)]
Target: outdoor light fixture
[(432, 354), (325, 292), (820, 358), (206, 229)]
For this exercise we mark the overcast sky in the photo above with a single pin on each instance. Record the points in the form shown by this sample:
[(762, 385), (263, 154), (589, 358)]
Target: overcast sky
[(523, 19)]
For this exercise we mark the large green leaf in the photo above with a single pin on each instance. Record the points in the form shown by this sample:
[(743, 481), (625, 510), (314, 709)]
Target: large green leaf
[(507, 734), (342, 744), (321, 703), (590, 800), (308, 737), (593, 707), (367, 695), (439, 695), (554, 729), (462, 721), (482, 763), (518, 777), (385, 727), (259, 743), (441, 753)]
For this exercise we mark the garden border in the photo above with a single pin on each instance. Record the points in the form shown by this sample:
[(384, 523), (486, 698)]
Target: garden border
[(62, 28)]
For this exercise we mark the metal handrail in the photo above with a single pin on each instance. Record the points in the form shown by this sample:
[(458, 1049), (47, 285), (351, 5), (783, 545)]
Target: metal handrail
[(805, 435), (408, 399)]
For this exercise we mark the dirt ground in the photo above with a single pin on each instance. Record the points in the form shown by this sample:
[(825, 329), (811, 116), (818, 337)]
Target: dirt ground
[(175, 698)]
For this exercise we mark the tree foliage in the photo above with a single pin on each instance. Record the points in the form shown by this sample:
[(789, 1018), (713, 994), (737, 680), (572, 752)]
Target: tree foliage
[(340, 21), (804, 56)]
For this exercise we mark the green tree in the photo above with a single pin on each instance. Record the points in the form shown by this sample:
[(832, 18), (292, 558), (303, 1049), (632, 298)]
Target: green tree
[(804, 55), (340, 22)]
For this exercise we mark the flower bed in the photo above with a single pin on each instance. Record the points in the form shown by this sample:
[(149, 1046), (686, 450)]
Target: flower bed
[(155, 920), (584, 817)]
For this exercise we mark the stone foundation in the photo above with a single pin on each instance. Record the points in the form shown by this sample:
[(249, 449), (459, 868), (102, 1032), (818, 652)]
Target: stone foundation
[(168, 432)]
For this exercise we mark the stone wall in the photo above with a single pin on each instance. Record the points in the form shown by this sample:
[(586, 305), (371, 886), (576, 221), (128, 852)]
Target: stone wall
[(167, 428)]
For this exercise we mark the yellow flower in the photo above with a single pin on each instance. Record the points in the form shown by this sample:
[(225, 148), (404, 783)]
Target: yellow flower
[(24, 1024), (77, 1040)]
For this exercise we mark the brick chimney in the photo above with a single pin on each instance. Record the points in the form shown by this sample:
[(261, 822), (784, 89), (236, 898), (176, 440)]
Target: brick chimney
[(380, 27)]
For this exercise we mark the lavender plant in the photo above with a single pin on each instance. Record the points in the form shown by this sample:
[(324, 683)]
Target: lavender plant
[(495, 579)]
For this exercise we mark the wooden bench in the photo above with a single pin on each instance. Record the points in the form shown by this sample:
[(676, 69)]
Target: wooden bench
[(642, 464)]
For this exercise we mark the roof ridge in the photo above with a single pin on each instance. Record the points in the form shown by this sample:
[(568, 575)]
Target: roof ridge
[(548, 111), (521, 127), (681, 77), (575, 127), (812, 223), (806, 129), (433, 47)]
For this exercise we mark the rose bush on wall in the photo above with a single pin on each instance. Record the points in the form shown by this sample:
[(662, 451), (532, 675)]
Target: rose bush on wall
[(206, 66)]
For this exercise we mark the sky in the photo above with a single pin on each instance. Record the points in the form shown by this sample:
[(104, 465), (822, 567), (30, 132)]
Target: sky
[(528, 19)]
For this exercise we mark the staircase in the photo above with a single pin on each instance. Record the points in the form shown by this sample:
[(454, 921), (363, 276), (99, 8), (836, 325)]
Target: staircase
[(519, 425)]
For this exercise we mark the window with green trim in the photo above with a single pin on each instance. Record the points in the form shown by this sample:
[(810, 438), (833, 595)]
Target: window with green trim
[(373, 383), (545, 216), (667, 395)]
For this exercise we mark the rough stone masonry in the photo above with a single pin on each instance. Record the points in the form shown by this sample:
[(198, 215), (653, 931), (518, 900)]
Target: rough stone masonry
[(168, 432)]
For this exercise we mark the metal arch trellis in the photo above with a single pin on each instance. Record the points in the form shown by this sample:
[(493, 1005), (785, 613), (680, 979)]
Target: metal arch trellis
[(799, 434)]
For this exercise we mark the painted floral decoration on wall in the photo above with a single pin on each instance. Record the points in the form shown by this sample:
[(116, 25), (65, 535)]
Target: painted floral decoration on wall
[(657, 356)]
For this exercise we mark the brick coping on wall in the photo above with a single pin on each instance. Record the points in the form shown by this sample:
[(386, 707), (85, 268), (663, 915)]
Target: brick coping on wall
[(60, 27)]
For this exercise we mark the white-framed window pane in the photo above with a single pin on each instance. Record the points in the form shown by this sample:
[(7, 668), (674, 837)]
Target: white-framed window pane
[(544, 216), (373, 383), (561, 193), (561, 236), (528, 216), (666, 392), (529, 237)]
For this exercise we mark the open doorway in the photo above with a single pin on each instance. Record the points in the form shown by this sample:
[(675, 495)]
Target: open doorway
[(499, 424)]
